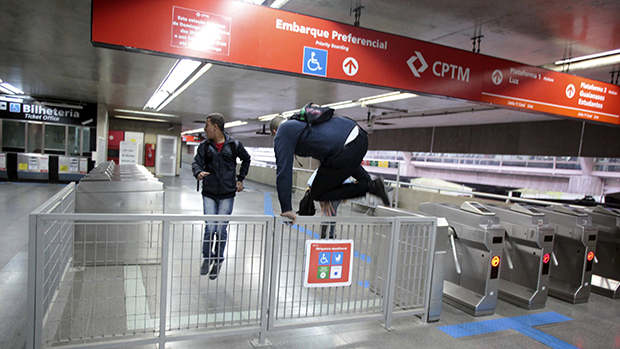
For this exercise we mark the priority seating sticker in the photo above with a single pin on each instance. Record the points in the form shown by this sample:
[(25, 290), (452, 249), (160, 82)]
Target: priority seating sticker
[(328, 263)]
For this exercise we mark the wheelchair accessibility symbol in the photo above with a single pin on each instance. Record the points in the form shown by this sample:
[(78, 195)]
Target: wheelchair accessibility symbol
[(315, 61), (324, 258)]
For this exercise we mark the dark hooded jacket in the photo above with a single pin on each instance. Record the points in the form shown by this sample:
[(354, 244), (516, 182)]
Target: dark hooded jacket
[(221, 183)]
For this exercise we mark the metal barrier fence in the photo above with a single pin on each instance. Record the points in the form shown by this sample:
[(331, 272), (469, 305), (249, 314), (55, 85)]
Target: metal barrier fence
[(84, 296)]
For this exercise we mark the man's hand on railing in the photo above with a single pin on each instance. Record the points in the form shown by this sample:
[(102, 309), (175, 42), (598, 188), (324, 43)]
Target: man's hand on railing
[(291, 215)]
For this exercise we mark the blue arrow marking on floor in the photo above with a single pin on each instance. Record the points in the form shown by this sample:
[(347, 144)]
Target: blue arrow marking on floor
[(522, 324)]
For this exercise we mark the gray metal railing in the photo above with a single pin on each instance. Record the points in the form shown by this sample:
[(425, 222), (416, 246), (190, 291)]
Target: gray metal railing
[(85, 297)]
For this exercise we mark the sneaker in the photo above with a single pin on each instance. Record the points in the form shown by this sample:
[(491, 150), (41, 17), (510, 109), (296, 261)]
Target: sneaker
[(215, 270), (378, 188), (204, 268)]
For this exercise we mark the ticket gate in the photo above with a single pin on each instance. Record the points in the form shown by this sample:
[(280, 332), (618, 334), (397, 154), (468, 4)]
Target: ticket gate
[(473, 256), (528, 249), (606, 274), (574, 249)]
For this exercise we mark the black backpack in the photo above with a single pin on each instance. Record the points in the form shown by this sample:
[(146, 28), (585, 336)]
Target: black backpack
[(312, 115)]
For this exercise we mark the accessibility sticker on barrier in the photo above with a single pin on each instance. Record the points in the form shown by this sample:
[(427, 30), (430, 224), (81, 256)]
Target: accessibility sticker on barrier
[(328, 263)]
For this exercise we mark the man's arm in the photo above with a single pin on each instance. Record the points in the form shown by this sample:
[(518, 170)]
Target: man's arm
[(198, 165), (245, 162)]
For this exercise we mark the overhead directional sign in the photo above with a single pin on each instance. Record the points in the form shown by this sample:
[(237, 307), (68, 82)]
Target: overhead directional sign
[(243, 34)]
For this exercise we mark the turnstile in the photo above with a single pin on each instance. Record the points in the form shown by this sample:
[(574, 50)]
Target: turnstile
[(111, 188), (574, 248), (606, 274), (475, 249), (528, 248)]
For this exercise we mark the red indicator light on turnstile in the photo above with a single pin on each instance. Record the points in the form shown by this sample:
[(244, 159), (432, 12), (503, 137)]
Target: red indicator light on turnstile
[(546, 258), (590, 256), (495, 261)]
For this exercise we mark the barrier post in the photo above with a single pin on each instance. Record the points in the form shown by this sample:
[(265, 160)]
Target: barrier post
[(266, 295), (391, 278), (165, 270)]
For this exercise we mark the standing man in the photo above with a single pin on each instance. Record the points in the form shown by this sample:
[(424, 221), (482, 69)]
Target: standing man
[(215, 164), (338, 143)]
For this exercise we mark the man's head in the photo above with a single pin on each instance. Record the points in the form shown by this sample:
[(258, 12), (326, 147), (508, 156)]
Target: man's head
[(275, 123), (214, 125)]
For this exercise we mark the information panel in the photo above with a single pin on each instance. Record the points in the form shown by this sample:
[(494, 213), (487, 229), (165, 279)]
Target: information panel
[(244, 34), (328, 263)]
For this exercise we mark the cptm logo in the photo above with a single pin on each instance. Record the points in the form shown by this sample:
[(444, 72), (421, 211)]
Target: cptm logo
[(440, 69)]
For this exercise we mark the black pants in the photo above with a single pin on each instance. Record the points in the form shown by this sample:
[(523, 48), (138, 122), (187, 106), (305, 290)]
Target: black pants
[(327, 185)]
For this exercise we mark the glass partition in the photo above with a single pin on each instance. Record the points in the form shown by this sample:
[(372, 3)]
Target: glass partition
[(55, 139), (13, 136), (35, 138), (73, 141)]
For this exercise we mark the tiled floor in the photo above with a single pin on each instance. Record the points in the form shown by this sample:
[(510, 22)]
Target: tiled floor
[(595, 324)]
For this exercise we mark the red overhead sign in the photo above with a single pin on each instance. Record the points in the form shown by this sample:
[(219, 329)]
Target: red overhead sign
[(249, 35)]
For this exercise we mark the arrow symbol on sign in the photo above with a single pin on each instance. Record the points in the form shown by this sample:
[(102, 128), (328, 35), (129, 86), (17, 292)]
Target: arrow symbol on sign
[(412, 59), (350, 65)]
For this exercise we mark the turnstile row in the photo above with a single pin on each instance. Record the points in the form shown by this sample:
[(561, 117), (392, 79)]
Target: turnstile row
[(522, 254)]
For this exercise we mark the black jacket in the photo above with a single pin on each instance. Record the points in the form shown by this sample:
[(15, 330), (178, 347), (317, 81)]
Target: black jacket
[(221, 183)]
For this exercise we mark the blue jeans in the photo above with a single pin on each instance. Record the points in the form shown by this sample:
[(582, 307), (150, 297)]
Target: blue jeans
[(216, 229)]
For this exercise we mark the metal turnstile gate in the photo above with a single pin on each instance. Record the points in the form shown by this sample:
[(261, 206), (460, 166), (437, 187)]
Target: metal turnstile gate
[(476, 246), (606, 274), (528, 249), (574, 248)]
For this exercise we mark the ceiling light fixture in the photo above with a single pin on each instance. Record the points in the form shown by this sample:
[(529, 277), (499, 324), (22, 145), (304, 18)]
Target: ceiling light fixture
[(235, 123), (145, 113), (197, 130), (267, 117), (342, 105), (11, 98), (60, 105), (10, 89), (138, 118), (278, 3), (388, 97), (180, 77), (587, 57)]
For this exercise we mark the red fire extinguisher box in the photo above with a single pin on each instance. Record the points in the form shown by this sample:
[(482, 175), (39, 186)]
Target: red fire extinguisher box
[(149, 154)]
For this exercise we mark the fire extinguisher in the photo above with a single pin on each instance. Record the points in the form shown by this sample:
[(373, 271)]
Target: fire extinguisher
[(149, 158)]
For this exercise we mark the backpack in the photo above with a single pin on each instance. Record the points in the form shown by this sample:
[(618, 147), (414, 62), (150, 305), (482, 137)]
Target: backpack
[(313, 115)]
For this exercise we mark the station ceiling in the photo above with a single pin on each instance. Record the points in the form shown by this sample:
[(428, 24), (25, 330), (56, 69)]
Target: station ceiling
[(45, 50)]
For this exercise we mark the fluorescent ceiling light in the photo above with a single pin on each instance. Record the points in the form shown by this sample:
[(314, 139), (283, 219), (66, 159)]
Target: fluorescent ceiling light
[(267, 117), (176, 82), (138, 118), (588, 57), (145, 113), (185, 86), (197, 130), (288, 114), (342, 105), (388, 97), (60, 105), (592, 63), (278, 3), (5, 86), (234, 123), (11, 99)]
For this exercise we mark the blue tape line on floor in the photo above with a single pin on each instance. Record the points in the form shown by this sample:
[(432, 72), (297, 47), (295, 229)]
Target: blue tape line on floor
[(268, 205), (522, 324)]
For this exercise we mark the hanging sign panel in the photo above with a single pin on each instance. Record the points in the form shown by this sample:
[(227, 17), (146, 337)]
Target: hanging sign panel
[(244, 34), (521, 86)]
